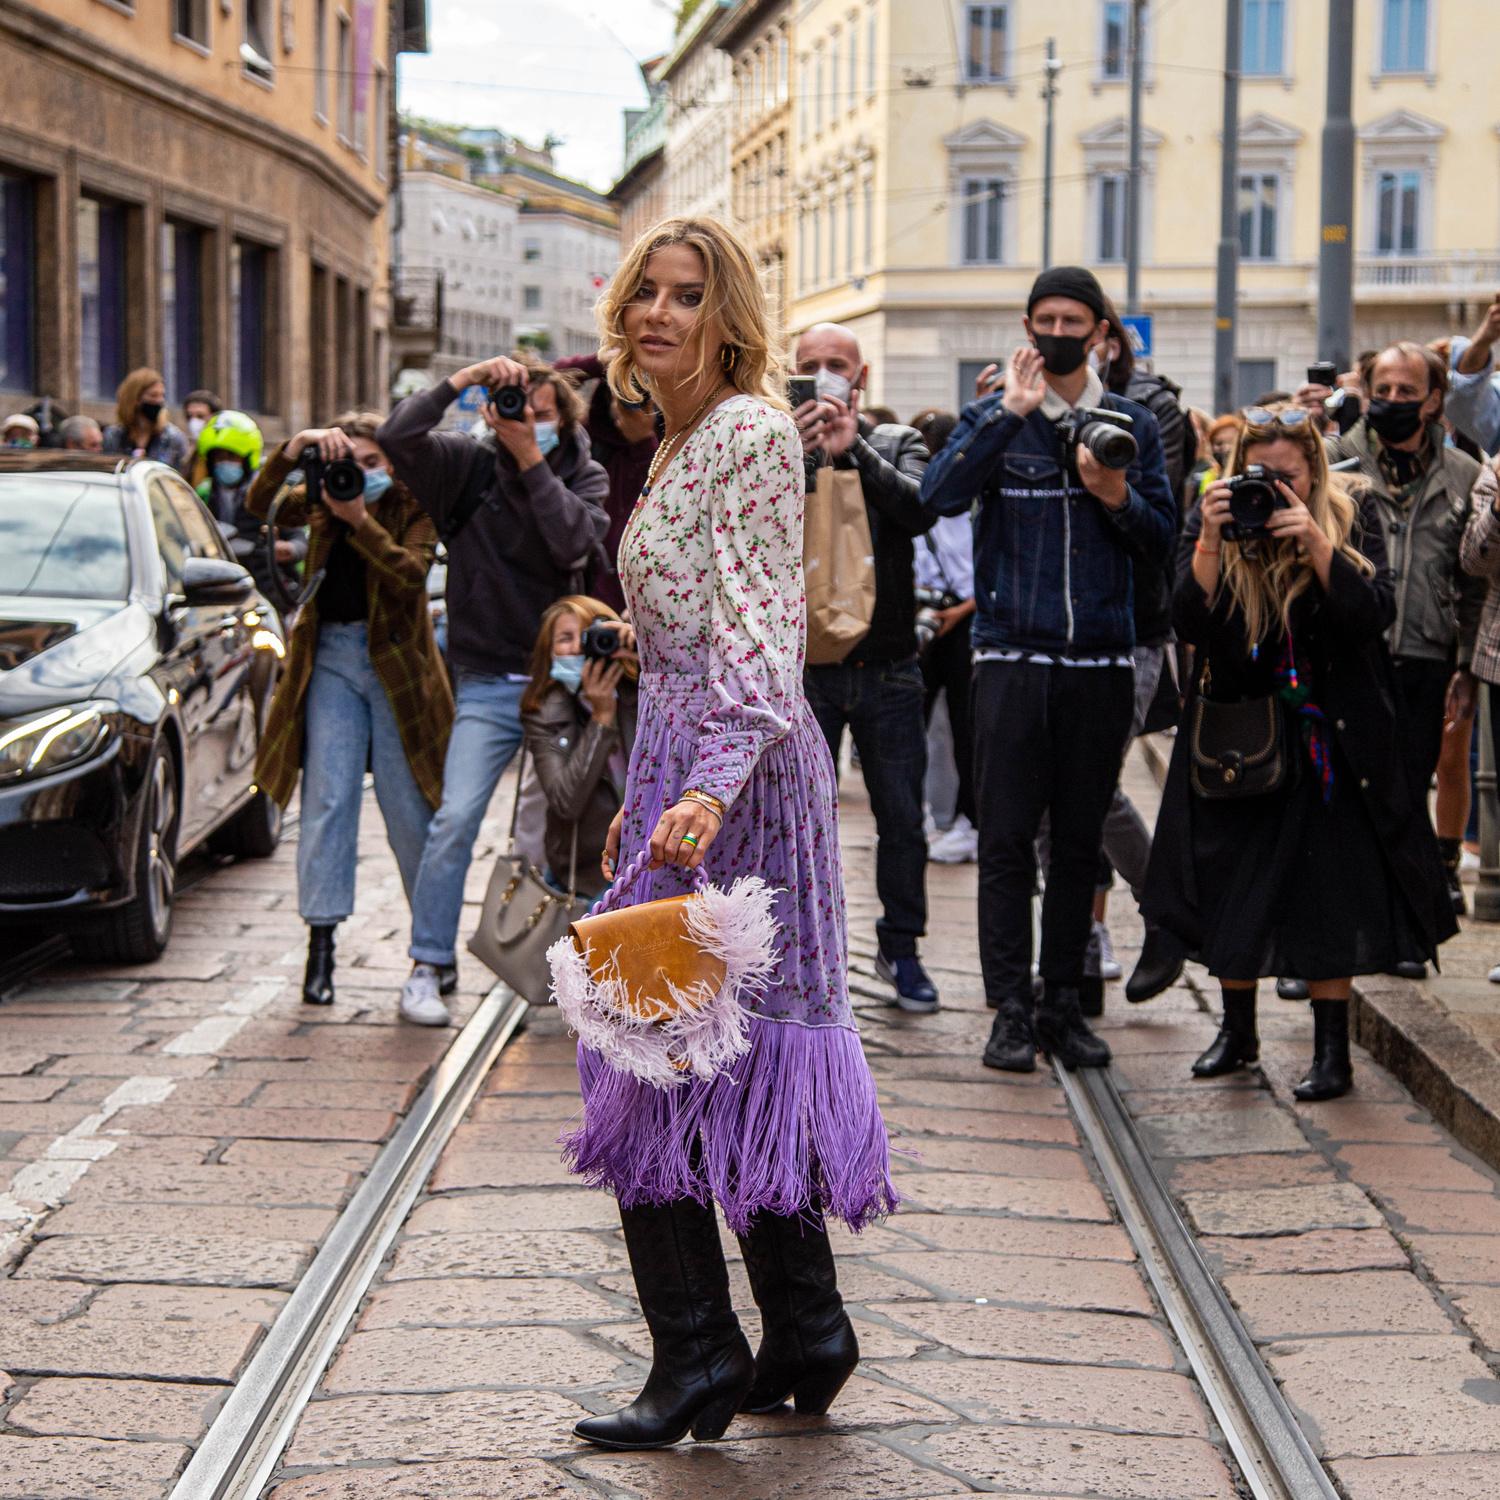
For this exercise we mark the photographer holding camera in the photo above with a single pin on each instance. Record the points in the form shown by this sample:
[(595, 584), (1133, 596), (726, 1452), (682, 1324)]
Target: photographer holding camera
[(520, 522), (579, 714), (362, 684), (1070, 487), (1290, 838), (877, 689)]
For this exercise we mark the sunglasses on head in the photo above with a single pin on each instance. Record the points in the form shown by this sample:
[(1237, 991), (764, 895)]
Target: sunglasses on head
[(1292, 419)]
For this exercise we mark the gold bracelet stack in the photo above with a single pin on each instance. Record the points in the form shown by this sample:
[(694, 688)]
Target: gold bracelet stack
[(703, 799)]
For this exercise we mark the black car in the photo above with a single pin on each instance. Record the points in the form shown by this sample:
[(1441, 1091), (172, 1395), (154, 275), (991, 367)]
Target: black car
[(137, 663)]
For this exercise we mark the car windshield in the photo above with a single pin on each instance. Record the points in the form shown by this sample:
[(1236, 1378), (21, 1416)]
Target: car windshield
[(62, 536)]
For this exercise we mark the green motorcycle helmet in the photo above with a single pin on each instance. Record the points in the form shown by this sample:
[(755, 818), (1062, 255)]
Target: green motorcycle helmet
[(232, 432)]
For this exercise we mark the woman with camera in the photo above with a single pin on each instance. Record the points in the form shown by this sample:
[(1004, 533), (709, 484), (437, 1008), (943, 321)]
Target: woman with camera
[(578, 714), (362, 684), (1288, 840), (729, 772)]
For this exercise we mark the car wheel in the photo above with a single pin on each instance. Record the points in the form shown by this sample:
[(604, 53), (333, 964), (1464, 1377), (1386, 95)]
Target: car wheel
[(137, 932), (253, 832)]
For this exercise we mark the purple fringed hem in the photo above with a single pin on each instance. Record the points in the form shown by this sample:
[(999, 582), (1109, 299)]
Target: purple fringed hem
[(793, 1126)]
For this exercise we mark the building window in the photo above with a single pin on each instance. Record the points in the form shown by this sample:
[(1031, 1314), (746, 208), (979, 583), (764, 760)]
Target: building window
[(833, 76), (531, 250), (817, 244), (190, 21), (1403, 36), (988, 59), (1110, 188), (17, 283), (181, 307), (783, 69), (833, 238), (871, 32), (848, 232), (1398, 202), (101, 296), (344, 63), (869, 223), (984, 221), (1264, 43), (1114, 39), (378, 132), (250, 314), (531, 299), (1260, 205), (258, 32), (1252, 379), (853, 63), (818, 94), (804, 96), (320, 59)]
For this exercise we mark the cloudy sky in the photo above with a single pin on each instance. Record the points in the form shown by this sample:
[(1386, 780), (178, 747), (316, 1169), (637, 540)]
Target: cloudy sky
[(538, 66)]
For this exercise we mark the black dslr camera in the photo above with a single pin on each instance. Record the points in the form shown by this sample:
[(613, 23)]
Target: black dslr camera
[(601, 640), (509, 401), (1253, 500), (335, 479), (1108, 435)]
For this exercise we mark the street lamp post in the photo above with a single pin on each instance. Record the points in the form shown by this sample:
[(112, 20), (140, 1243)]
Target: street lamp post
[(1049, 95), (1226, 291), (1336, 253), (1133, 181)]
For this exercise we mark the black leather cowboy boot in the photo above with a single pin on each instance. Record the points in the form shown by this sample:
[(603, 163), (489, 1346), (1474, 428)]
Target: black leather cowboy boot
[(1237, 1043), (317, 981), (701, 1365), (808, 1348), (1331, 1073), (1063, 1034)]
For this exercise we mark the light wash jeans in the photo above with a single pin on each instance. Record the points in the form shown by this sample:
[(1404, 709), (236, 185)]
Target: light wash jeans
[(347, 725), (486, 735)]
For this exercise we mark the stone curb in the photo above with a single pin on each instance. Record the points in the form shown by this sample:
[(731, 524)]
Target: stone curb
[(1409, 1032)]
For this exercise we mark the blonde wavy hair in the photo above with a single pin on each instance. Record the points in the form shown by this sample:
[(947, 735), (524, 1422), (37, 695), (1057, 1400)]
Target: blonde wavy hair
[(1266, 577), (732, 294)]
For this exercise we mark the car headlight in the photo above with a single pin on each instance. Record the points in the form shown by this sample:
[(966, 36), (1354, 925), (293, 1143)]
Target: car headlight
[(53, 740)]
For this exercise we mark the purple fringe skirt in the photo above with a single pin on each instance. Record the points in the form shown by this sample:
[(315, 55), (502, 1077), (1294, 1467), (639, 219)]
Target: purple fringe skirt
[(794, 1126)]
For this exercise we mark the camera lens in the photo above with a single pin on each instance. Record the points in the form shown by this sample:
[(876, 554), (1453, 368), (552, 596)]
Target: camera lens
[(1112, 446), (509, 401), (343, 479), (601, 640)]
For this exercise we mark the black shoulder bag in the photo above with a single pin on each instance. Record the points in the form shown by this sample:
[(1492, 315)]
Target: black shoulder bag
[(1236, 749)]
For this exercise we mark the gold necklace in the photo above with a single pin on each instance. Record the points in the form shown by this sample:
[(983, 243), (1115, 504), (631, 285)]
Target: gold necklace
[(659, 461)]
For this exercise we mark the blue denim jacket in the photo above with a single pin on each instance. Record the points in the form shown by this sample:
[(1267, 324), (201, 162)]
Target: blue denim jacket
[(1052, 563)]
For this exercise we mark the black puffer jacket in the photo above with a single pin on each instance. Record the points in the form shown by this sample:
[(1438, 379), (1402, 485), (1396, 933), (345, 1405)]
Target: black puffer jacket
[(1153, 581)]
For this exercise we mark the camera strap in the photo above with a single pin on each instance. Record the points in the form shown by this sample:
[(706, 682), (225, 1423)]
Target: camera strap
[(463, 513)]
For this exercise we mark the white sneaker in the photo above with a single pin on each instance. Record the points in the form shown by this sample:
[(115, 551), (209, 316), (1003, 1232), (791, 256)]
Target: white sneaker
[(959, 846), (1495, 974), (1468, 862), (420, 1002), (1109, 965)]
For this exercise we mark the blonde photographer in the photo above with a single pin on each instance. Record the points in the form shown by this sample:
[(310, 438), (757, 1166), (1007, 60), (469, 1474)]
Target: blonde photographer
[(1289, 841)]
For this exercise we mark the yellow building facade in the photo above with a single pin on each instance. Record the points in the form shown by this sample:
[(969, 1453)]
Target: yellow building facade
[(918, 135), (201, 187)]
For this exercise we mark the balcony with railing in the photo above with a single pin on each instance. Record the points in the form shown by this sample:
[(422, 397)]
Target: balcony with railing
[(645, 132), (1461, 274), (416, 314)]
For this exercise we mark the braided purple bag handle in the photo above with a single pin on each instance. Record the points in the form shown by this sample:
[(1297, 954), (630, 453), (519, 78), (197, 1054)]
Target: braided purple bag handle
[(628, 877)]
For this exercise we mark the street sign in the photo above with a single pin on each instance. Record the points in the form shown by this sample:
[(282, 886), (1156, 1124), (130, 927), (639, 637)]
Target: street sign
[(1138, 331), (472, 398)]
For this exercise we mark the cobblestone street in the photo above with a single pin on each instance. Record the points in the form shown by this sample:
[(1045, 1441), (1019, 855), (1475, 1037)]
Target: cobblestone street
[(182, 1138)]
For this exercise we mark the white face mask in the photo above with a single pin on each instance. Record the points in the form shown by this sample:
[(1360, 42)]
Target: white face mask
[(195, 426), (827, 383)]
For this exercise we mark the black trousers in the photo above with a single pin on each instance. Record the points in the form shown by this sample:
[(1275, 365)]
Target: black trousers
[(1423, 690), (946, 668), (1048, 741)]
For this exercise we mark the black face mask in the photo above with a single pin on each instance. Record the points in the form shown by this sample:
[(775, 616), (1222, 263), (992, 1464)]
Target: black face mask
[(1062, 353), (151, 410), (1394, 421)]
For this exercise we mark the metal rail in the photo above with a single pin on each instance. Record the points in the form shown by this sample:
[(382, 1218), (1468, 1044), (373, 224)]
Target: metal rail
[(241, 1449), (1268, 1444)]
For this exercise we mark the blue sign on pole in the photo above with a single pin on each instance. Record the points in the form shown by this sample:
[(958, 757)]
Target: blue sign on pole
[(1138, 331), (472, 397)]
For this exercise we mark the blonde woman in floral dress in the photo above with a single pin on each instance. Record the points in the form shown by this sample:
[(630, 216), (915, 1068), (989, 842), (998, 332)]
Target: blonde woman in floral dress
[(729, 771)]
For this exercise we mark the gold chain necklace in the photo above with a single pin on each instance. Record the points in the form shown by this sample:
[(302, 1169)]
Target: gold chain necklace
[(658, 462)]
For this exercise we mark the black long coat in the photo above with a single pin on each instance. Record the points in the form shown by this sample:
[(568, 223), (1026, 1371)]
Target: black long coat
[(1217, 865)]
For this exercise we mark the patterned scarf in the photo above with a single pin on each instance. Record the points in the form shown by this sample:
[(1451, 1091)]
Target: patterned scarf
[(1314, 723)]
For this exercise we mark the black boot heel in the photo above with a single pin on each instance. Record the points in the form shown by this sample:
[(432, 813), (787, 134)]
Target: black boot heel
[(713, 1421), (816, 1393), (1331, 1075), (317, 978), (1237, 1045)]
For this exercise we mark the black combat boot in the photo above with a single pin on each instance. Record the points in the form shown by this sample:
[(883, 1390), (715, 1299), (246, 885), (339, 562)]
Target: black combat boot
[(1331, 1074), (1012, 1043), (701, 1365), (1062, 1033), (317, 981), (807, 1348), (1236, 1045)]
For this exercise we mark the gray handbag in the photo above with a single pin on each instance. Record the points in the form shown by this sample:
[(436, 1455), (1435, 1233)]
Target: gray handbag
[(522, 915)]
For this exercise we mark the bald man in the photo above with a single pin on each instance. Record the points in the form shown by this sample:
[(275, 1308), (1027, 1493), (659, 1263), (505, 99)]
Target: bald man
[(877, 690)]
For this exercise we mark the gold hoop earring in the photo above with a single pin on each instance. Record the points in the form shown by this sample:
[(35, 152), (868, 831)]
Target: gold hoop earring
[(729, 357)]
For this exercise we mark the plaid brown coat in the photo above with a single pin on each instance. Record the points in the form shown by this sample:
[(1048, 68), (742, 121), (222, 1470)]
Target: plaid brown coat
[(396, 541)]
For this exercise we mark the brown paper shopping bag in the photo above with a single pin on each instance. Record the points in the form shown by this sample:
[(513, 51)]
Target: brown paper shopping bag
[(839, 564)]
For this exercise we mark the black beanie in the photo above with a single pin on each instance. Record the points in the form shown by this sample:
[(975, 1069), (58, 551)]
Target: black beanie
[(1068, 281)]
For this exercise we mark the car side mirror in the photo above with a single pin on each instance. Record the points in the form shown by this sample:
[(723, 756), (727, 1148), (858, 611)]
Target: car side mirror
[(213, 580)]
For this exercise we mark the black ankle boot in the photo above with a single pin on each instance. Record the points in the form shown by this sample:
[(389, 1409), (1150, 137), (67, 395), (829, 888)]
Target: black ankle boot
[(701, 1365), (1062, 1033), (317, 981), (1331, 1074), (1012, 1043), (1236, 1044), (1159, 966), (808, 1348), (1452, 851)]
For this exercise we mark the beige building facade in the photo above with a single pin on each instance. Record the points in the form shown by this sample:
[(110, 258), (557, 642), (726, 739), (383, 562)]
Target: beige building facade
[(199, 186), (917, 141)]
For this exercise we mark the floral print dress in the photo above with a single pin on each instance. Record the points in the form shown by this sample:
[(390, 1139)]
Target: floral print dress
[(711, 564)]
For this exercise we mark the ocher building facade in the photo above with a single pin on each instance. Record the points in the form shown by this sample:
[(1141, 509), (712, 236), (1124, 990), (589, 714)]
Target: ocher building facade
[(918, 164), (201, 186)]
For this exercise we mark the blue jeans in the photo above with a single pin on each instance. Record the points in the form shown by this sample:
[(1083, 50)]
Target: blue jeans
[(883, 703), (486, 735), (347, 725)]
